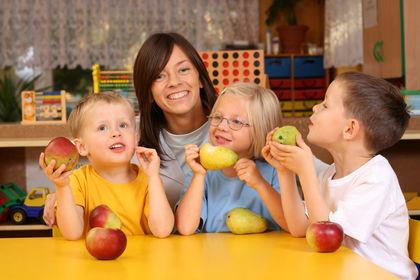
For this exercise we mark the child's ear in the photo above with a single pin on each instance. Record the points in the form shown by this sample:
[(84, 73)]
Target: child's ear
[(80, 147), (352, 129)]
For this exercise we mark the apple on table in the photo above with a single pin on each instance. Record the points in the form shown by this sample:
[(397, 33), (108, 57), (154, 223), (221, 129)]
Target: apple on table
[(105, 243), (105, 240), (324, 236)]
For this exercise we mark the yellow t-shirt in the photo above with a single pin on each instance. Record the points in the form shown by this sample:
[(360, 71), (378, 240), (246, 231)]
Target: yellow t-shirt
[(129, 201)]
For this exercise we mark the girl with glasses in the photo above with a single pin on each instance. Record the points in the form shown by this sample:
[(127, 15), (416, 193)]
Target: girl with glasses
[(241, 118)]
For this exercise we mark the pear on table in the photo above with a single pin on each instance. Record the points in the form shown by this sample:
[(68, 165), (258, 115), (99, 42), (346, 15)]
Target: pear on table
[(244, 221)]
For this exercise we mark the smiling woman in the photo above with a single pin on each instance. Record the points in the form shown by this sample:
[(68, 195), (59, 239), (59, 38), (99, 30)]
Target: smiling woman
[(175, 95)]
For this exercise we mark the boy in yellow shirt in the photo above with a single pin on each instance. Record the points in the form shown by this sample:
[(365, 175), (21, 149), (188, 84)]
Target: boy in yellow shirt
[(103, 127)]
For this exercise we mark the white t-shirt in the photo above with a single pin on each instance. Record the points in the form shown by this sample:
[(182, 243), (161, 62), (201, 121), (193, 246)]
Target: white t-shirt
[(369, 205)]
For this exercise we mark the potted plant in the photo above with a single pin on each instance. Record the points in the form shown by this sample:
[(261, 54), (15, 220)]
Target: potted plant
[(10, 89), (291, 35)]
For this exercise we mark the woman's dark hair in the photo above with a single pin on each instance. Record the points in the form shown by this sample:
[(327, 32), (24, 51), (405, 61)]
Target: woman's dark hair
[(151, 60)]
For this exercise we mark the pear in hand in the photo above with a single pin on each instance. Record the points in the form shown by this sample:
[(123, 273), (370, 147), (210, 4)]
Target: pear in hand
[(217, 157)]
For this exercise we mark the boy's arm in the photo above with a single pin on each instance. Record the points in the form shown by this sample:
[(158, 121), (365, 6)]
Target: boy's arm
[(161, 217), (188, 213), (300, 160), (294, 210), (318, 209), (69, 215)]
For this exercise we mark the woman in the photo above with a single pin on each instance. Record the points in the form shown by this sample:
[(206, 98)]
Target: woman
[(175, 95)]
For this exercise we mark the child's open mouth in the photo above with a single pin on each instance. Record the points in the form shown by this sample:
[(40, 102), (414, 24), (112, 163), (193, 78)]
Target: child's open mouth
[(118, 147)]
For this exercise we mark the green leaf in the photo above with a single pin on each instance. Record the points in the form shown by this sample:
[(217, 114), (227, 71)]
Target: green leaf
[(10, 90)]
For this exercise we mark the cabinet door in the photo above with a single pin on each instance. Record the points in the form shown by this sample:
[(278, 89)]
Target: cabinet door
[(384, 39), (412, 44)]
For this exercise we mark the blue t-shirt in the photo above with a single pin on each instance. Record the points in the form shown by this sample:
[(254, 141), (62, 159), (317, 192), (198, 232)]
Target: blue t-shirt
[(221, 194)]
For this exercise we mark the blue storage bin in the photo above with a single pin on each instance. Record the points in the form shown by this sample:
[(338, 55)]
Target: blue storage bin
[(277, 67), (309, 66)]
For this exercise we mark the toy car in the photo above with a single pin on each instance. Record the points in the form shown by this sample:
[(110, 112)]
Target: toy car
[(22, 206)]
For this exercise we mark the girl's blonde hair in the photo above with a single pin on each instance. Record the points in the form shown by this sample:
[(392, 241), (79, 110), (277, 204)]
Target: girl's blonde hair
[(263, 112), (77, 116)]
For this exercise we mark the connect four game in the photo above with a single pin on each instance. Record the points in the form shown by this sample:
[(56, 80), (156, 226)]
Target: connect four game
[(43, 107), (227, 67)]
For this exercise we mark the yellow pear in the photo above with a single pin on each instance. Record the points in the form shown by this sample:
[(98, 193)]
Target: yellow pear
[(243, 221), (217, 157), (285, 135)]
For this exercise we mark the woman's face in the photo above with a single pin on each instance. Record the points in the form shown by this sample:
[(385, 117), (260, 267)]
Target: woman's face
[(177, 89)]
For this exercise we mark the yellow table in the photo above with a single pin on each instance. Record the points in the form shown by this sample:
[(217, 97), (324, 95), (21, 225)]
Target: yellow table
[(271, 255)]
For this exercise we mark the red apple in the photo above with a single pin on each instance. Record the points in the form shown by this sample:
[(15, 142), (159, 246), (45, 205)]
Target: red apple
[(324, 236), (105, 243), (62, 150), (102, 216)]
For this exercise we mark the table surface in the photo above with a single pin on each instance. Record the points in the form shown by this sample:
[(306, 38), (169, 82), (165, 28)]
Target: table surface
[(272, 255)]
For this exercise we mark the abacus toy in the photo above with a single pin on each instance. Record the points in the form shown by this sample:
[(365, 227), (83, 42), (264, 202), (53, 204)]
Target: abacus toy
[(43, 107), (119, 81), (226, 67)]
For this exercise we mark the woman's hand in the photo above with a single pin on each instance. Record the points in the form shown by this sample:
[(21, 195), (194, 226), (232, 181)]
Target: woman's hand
[(191, 157)]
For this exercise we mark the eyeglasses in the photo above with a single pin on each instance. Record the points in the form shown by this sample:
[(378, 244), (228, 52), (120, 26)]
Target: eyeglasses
[(232, 123)]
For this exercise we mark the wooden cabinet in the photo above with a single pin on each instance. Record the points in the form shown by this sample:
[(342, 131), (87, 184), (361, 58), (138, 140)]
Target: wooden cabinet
[(391, 40), (382, 54), (411, 10)]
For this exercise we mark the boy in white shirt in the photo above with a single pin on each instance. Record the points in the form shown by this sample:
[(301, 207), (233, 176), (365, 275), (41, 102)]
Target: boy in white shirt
[(360, 116)]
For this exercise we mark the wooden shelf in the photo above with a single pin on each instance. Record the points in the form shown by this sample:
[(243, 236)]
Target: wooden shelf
[(411, 135), (23, 227), (28, 230), (24, 142), (17, 135)]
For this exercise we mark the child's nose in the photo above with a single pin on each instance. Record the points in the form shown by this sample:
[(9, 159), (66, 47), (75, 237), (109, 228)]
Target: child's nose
[(116, 132), (223, 124)]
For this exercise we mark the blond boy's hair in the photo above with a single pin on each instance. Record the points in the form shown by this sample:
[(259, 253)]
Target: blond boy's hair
[(77, 116), (263, 112)]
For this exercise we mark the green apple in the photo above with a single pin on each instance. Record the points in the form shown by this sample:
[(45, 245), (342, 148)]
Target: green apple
[(285, 135), (244, 221), (217, 157)]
